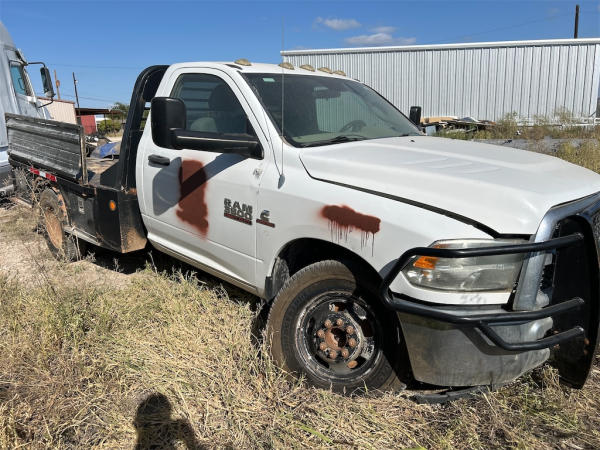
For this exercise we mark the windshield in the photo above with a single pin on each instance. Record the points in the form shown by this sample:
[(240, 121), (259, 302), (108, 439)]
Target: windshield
[(325, 110), (19, 79)]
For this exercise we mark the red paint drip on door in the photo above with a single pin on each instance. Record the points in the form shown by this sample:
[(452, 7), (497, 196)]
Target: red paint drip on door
[(343, 219), (192, 208)]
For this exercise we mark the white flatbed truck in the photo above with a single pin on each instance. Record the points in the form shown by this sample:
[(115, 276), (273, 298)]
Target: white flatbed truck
[(387, 255)]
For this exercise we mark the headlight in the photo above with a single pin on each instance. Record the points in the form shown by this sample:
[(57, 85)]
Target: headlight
[(481, 273)]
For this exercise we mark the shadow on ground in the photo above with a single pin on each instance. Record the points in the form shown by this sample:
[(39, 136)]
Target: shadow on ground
[(156, 429)]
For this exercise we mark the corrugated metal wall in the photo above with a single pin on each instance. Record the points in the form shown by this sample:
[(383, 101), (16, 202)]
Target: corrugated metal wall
[(482, 80), (62, 110)]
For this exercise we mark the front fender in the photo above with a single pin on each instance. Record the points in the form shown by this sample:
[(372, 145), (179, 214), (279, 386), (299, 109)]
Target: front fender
[(375, 228)]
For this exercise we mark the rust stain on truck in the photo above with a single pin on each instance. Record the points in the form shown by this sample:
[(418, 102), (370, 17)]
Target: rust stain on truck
[(192, 208), (343, 219)]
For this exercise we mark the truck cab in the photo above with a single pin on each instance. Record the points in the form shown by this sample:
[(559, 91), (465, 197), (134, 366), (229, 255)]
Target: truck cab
[(385, 254), (17, 95)]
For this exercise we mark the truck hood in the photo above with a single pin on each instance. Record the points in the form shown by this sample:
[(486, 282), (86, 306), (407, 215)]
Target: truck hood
[(506, 189)]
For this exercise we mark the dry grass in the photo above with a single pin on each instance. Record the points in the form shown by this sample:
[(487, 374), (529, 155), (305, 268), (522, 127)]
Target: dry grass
[(79, 361), (582, 145), (562, 127), (170, 357), (587, 154)]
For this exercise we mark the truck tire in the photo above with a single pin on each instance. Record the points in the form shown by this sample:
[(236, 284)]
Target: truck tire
[(62, 245), (330, 328)]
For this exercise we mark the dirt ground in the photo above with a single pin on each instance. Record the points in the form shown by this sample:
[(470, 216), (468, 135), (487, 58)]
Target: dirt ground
[(22, 248)]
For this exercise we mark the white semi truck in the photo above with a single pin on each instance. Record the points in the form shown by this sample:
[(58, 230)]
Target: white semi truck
[(16, 94), (387, 255)]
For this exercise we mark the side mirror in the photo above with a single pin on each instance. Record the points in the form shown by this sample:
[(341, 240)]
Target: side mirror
[(168, 114), (415, 115), (168, 130), (47, 82), (244, 145)]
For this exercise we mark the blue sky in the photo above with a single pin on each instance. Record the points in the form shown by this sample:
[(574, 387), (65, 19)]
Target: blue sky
[(107, 43)]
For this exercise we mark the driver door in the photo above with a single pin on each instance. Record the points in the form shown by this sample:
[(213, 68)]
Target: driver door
[(201, 205)]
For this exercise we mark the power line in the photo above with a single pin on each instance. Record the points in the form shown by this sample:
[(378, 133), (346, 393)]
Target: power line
[(139, 68), (510, 27), (85, 98), (89, 98)]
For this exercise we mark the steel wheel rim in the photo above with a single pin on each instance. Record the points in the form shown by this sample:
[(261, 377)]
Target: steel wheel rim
[(53, 228), (346, 353)]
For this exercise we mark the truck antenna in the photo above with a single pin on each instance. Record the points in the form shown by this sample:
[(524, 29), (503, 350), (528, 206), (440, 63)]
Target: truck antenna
[(281, 174)]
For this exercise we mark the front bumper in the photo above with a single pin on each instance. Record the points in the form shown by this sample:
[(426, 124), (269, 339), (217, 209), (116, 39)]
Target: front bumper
[(474, 345)]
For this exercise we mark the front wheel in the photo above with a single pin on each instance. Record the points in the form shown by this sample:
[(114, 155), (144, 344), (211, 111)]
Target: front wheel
[(330, 328)]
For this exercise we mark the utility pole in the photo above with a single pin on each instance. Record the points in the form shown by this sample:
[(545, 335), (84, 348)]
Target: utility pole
[(57, 81), (76, 94), (576, 22)]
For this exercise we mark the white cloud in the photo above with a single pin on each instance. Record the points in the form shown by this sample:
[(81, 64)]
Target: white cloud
[(338, 24), (379, 39), (387, 30)]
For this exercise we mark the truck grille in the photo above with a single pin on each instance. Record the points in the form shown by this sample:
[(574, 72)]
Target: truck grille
[(548, 276), (596, 227), (559, 277), (574, 269)]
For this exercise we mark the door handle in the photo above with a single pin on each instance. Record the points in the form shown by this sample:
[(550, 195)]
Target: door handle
[(160, 160)]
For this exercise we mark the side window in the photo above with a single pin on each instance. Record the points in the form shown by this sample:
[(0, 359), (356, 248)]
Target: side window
[(211, 105), (19, 80)]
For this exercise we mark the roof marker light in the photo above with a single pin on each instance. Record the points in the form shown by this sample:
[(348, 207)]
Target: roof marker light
[(325, 69), (307, 67), (340, 72), (243, 62), (286, 65)]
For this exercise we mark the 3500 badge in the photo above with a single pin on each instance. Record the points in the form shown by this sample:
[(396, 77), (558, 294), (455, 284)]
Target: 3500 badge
[(235, 211)]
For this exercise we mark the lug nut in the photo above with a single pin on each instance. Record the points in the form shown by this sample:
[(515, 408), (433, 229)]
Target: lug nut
[(321, 334), (323, 346), (328, 323), (339, 322), (345, 353), (352, 342), (332, 354), (352, 364), (350, 329)]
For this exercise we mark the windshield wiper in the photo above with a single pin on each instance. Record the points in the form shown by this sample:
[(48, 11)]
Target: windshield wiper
[(336, 140)]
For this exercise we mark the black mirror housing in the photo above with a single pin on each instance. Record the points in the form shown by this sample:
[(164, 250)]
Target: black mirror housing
[(168, 114), (47, 82), (415, 115), (168, 122), (240, 144)]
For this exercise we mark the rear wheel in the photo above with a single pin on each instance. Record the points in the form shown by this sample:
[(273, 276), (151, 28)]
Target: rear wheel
[(330, 328), (52, 222)]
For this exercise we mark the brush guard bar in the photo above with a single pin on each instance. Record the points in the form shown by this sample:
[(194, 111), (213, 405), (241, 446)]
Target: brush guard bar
[(483, 322)]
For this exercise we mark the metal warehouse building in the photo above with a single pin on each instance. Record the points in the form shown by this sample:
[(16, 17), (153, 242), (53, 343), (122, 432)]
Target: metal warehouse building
[(480, 80)]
